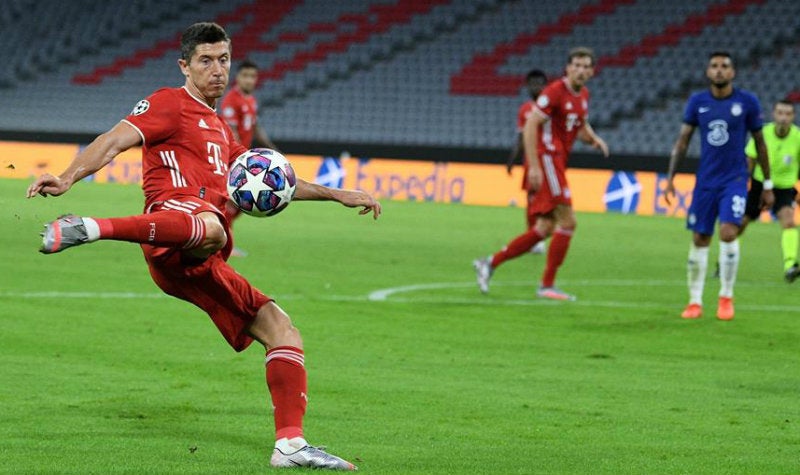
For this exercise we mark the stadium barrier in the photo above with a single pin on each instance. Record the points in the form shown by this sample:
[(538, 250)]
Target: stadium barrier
[(629, 192)]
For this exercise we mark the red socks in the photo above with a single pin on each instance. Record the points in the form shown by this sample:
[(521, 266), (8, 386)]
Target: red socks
[(162, 228), (559, 245), (286, 380), (518, 246)]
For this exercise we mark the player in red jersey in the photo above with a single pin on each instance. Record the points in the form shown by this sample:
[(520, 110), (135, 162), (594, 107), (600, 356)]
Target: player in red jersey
[(535, 81), (559, 118), (239, 108), (185, 235)]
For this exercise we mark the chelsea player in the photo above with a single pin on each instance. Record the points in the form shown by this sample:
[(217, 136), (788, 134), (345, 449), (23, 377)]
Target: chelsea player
[(724, 115)]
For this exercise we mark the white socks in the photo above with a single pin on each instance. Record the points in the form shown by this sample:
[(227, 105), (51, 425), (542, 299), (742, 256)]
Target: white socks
[(696, 273), (92, 229), (698, 265), (728, 266)]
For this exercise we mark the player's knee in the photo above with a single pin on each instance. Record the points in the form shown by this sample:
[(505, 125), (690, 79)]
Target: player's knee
[(728, 233), (216, 237), (273, 327)]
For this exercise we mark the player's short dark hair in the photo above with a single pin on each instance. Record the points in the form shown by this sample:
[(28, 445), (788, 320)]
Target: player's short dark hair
[(580, 52), (246, 64), (785, 101), (535, 74), (722, 54), (201, 33)]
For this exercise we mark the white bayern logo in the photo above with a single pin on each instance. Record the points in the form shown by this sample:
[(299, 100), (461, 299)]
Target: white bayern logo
[(718, 133)]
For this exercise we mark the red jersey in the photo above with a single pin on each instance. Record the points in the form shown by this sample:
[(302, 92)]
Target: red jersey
[(525, 110), (567, 111), (185, 146), (240, 110)]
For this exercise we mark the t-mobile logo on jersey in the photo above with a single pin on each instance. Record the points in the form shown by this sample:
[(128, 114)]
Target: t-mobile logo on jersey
[(214, 153), (152, 236)]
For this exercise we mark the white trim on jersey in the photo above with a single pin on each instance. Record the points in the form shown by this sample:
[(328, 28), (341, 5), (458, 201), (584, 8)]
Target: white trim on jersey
[(196, 99), (551, 175), (547, 136), (169, 160), (138, 131), (185, 206)]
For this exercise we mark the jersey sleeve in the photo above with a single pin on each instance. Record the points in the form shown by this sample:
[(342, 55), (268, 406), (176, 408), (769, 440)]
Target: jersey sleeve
[(548, 99), (157, 117), (690, 112), (755, 121)]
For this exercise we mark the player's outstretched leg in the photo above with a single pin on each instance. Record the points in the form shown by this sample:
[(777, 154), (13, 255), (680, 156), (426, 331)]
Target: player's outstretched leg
[(66, 231), (483, 273), (297, 453)]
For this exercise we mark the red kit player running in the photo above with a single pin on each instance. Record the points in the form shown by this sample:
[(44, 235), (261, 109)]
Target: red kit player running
[(559, 118), (184, 232), (239, 108), (535, 81)]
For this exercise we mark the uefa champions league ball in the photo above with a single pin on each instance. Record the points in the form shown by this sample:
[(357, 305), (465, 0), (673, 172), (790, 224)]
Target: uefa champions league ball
[(261, 182)]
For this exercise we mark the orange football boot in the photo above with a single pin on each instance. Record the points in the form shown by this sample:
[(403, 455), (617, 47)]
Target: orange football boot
[(725, 308), (692, 311)]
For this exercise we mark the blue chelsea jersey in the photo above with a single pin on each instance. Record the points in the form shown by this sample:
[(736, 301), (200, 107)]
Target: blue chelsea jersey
[(723, 125)]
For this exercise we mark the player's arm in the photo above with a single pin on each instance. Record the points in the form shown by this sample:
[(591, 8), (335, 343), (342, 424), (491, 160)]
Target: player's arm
[(262, 139), (350, 198), (677, 155), (94, 157), (588, 136), (516, 153), (767, 196), (530, 137)]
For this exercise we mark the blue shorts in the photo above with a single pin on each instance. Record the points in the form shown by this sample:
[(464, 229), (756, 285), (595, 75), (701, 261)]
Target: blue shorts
[(727, 203)]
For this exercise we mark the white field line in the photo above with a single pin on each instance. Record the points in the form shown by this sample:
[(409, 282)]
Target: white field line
[(395, 295)]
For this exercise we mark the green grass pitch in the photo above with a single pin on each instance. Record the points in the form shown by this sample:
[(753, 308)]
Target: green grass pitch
[(411, 370)]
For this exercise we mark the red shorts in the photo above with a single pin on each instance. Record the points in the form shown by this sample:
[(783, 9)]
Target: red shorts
[(554, 190), (211, 284)]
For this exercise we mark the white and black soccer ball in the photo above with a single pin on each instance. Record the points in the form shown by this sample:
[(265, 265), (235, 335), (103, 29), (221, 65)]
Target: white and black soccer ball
[(261, 182)]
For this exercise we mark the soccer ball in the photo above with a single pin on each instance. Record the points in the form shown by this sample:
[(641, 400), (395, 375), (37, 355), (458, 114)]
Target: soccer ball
[(261, 182)]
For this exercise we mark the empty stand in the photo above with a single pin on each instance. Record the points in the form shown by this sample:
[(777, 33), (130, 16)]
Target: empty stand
[(422, 72)]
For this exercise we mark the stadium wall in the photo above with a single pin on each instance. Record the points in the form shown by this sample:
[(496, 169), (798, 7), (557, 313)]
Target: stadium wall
[(407, 152), (594, 190)]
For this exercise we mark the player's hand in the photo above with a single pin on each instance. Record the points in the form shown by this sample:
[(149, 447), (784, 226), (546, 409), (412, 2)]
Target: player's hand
[(767, 199), (46, 185), (534, 178), (358, 198), (601, 145), (669, 191)]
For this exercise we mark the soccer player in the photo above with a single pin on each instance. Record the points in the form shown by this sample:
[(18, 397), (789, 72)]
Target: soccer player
[(724, 114), (782, 139), (185, 236), (535, 81), (560, 116), (240, 108)]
